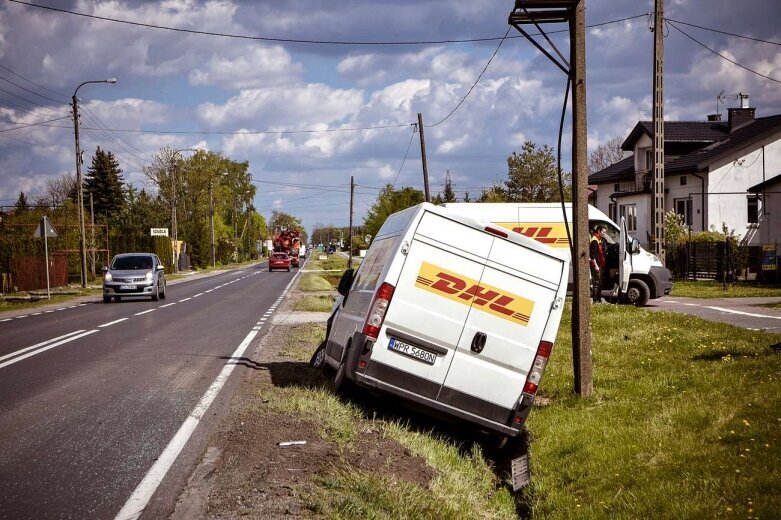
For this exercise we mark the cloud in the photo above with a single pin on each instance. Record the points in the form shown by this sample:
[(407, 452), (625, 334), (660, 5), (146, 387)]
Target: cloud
[(259, 67)]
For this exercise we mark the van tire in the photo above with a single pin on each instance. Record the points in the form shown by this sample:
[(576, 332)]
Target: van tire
[(638, 293), (318, 358), (342, 384)]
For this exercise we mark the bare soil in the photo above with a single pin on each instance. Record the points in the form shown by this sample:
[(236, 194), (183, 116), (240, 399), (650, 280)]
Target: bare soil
[(246, 473)]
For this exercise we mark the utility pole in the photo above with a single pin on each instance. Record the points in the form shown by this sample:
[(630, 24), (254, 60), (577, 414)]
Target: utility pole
[(423, 156), (539, 13), (658, 124), (352, 192), (173, 212), (79, 192), (211, 222), (581, 316), (92, 232)]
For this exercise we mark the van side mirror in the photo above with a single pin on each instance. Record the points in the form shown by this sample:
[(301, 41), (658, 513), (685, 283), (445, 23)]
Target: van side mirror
[(635, 247), (346, 282)]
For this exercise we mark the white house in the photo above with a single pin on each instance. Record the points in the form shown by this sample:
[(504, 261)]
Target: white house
[(717, 174)]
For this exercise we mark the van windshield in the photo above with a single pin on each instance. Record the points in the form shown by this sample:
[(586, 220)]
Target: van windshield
[(612, 236)]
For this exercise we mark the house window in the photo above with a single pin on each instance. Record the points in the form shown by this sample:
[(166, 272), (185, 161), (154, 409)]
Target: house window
[(611, 211), (683, 207), (616, 187), (753, 209), (649, 159), (683, 180), (629, 212)]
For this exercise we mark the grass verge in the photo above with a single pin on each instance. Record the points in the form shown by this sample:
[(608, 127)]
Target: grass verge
[(73, 294), (313, 283), (314, 304), (711, 289), (333, 262)]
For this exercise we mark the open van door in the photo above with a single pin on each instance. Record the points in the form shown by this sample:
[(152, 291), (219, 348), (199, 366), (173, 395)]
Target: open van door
[(625, 258)]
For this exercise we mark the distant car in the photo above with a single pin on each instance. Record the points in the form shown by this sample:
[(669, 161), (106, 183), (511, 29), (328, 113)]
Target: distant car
[(279, 261), (134, 274)]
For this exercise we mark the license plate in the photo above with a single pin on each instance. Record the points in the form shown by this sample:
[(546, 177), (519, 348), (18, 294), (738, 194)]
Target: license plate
[(412, 351), (127, 287)]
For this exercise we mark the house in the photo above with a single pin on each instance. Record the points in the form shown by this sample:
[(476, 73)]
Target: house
[(716, 174)]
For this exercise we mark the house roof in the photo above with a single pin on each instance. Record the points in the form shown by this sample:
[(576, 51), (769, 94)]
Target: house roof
[(622, 169), (679, 132), (766, 184), (718, 143)]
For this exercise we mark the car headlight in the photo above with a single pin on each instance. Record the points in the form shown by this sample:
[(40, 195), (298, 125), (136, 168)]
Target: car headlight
[(149, 276), (107, 278)]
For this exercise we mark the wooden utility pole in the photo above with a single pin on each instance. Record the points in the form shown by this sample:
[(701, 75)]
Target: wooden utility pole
[(581, 315), (79, 192), (423, 156), (658, 124), (352, 192)]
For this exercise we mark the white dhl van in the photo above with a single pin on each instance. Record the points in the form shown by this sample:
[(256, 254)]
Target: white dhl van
[(451, 313), (544, 222)]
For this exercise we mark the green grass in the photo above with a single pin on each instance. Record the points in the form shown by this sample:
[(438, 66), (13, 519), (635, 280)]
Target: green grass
[(314, 304), (684, 422), (776, 305), (13, 305), (711, 289), (313, 282), (300, 342), (333, 262)]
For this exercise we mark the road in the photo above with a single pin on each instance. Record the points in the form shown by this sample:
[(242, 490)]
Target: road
[(741, 312), (93, 394)]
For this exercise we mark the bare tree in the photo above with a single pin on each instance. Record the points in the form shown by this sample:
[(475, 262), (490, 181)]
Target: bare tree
[(56, 191), (606, 154), (160, 172)]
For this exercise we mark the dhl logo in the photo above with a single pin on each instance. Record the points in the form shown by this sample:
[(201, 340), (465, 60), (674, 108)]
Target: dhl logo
[(464, 290), (553, 234)]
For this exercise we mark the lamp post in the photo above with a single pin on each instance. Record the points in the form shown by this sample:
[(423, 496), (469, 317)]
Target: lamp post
[(80, 191)]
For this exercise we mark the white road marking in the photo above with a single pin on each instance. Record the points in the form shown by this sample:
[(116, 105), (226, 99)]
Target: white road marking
[(140, 498), (197, 295), (135, 505), (7, 319), (111, 323), (210, 290), (36, 314), (184, 300), (144, 312), (44, 349), (41, 344), (731, 311), (22, 316), (167, 305)]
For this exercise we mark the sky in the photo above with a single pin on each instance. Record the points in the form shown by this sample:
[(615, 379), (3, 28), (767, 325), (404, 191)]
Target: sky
[(308, 115)]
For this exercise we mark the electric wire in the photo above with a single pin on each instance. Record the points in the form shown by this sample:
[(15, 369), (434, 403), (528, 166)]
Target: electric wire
[(292, 40), (473, 84), (724, 32), (672, 24), (41, 123), (414, 129), (558, 165), (58, 101)]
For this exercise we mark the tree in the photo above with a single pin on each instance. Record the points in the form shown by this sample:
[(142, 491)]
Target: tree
[(496, 193), (281, 221), (448, 195), (606, 154), (56, 191), (390, 201), (104, 181), (21, 203), (532, 176)]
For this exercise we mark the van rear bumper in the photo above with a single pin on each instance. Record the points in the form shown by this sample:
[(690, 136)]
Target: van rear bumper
[(382, 377)]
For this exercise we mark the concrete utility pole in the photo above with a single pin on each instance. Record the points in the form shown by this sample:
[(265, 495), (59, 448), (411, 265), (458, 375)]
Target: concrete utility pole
[(211, 222), (423, 156), (538, 13), (352, 192), (658, 123), (581, 303)]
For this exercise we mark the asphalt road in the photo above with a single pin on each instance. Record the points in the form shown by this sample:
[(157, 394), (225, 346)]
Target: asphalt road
[(741, 312), (91, 395)]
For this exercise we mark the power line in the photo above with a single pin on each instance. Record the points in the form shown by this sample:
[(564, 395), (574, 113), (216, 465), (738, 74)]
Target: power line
[(247, 132), (414, 128), (58, 101), (672, 24), (41, 123), (291, 40), (475, 83), (32, 82), (724, 32)]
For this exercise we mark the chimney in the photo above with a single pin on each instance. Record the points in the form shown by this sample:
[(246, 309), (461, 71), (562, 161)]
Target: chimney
[(738, 117), (714, 117)]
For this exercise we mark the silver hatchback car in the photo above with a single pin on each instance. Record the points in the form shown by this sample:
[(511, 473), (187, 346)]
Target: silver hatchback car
[(134, 274)]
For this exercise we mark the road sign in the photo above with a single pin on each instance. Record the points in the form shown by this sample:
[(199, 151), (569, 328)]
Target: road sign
[(45, 229), (159, 231)]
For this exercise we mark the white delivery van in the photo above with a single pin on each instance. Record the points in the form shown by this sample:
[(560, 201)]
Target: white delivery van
[(451, 313), (647, 277), (302, 251)]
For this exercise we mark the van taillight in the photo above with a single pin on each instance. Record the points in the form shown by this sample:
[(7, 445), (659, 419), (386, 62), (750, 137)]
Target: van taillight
[(497, 232), (538, 367), (377, 313)]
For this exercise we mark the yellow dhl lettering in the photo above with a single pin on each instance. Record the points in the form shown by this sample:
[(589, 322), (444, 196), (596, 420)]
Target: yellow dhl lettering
[(461, 289), (553, 234)]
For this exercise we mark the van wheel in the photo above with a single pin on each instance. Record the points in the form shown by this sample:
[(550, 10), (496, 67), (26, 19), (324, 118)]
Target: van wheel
[(318, 358), (638, 293), (342, 384), (107, 299)]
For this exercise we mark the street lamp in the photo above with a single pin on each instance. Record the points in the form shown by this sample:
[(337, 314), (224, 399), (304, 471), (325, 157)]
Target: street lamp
[(80, 191)]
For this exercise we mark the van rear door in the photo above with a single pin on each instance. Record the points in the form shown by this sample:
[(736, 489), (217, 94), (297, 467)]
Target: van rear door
[(624, 258), (424, 322), (510, 309)]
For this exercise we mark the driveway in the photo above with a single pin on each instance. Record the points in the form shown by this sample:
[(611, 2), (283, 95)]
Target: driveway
[(741, 312)]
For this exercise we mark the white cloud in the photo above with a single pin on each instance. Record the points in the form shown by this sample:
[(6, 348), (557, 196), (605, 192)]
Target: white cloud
[(259, 67)]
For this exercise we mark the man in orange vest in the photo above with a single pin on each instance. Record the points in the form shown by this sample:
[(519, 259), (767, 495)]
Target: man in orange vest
[(596, 251)]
